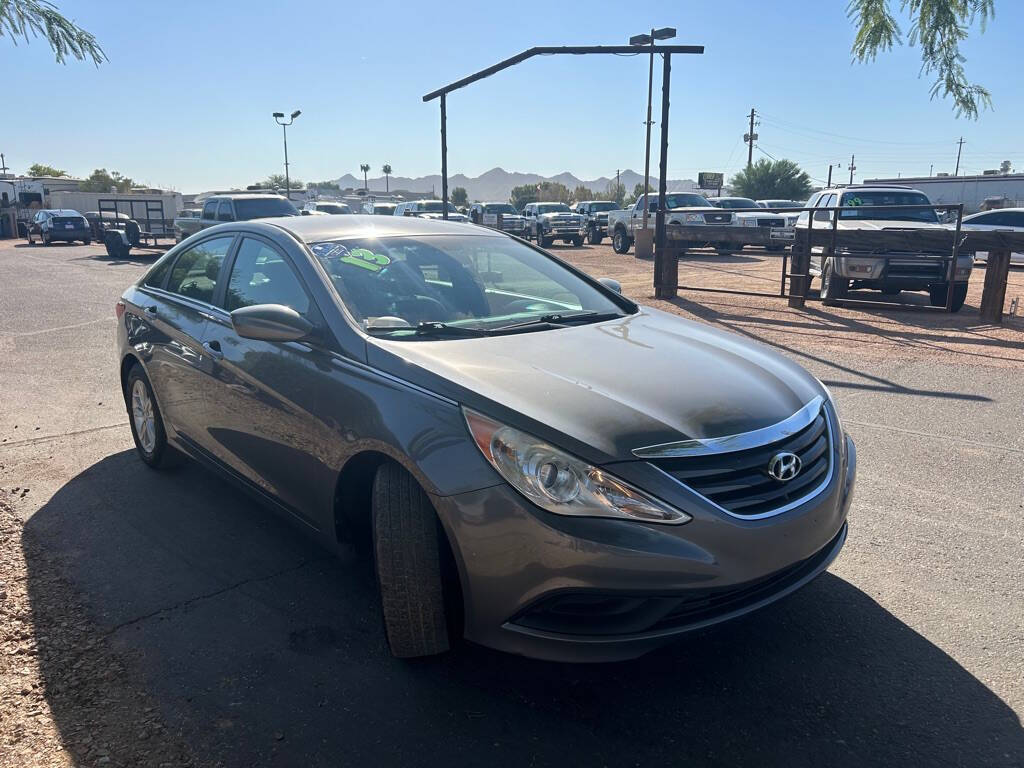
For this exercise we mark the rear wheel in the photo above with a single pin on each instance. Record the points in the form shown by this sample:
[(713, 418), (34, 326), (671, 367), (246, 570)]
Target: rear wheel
[(146, 422), (833, 287), (620, 242), (408, 549), (594, 236)]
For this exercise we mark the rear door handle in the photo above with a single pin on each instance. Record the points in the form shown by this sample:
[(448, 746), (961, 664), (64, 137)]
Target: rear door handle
[(213, 349)]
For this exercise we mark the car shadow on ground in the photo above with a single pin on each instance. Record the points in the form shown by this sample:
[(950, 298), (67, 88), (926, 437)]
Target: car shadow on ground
[(257, 648)]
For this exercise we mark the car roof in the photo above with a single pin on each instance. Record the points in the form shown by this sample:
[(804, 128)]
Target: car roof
[(312, 229), (243, 196), (873, 188), (995, 210), (61, 211)]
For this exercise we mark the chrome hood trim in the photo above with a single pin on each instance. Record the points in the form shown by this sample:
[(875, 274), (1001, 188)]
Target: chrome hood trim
[(727, 444)]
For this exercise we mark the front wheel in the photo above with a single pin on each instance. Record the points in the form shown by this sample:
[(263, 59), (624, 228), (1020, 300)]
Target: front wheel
[(594, 236), (937, 295), (833, 287), (408, 551), (146, 422), (620, 242), (542, 241), (578, 241)]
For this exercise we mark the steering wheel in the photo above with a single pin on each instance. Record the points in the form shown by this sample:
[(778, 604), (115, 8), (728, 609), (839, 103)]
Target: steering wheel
[(422, 309)]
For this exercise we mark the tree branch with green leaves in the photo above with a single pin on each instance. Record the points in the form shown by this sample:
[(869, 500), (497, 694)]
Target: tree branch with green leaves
[(20, 19), (939, 27)]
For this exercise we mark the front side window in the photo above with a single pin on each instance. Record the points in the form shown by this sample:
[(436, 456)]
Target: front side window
[(210, 210), (262, 275), (599, 207), (195, 271), (391, 285)]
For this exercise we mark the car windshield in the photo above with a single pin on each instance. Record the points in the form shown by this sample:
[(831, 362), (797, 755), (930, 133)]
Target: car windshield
[(264, 207), (553, 208), (736, 202), (686, 201), (853, 205), (499, 208), (436, 206), (332, 208), (395, 285), (603, 206)]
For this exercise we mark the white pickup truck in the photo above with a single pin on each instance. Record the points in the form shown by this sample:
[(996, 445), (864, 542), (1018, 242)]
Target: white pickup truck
[(681, 208)]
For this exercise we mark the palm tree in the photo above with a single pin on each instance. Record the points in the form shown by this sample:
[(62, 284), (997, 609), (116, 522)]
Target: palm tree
[(18, 18), (365, 168), (386, 170)]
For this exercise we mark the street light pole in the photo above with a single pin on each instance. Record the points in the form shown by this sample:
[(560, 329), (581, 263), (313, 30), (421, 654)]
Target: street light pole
[(665, 33), (279, 119)]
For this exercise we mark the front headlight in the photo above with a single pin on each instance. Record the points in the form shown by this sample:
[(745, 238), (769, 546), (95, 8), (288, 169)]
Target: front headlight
[(559, 482), (694, 218)]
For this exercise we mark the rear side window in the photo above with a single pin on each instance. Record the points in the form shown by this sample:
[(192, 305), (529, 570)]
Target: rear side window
[(262, 275), (224, 212), (196, 270), (156, 276), (210, 210)]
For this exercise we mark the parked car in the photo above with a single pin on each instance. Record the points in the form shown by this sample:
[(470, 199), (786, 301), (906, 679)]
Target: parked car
[(999, 219), (187, 222), (780, 222), (511, 220), (380, 209), (244, 206), (547, 222), (780, 204), (329, 207), (890, 272), (429, 209), (455, 400), (682, 208), (595, 218), (56, 224)]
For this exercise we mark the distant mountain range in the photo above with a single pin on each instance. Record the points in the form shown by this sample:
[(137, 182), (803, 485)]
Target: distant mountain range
[(497, 183)]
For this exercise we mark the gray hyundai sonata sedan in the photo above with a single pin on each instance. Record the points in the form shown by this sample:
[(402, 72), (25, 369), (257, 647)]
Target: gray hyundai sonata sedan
[(535, 462)]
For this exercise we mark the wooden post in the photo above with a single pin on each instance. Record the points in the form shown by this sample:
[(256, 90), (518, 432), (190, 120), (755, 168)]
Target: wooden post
[(997, 271)]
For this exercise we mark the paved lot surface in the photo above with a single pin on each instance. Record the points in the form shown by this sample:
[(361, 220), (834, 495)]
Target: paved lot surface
[(150, 618)]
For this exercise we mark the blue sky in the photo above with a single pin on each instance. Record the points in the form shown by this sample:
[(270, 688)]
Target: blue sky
[(205, 77)]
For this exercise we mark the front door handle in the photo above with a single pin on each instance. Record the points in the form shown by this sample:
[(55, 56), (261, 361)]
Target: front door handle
[(151, 309), (213, 349)]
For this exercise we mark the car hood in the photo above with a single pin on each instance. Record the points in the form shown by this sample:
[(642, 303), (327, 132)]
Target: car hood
[(559, 215), (604, 389)]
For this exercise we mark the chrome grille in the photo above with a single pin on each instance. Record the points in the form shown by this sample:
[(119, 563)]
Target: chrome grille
[(738, 481), (717, 218)]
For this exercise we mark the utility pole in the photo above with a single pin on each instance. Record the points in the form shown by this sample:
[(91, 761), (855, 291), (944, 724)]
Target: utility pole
[(750, 138), (852, 168), (959, 149), (618, 184), (830, 167), (3, 164), (931, 168)]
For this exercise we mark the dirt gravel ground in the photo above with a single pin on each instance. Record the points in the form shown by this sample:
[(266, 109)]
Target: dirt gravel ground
[(151, 619)]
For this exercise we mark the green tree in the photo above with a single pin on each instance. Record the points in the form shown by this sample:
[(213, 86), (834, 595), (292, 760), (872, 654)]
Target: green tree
[(40, 18), (324, 185), (386, 170), (277, 181), (544, 192), (523, 194), (38, 169), (459, 196), (766, 178), (939, 26), (365, 168), (101, 180), (583, 193)]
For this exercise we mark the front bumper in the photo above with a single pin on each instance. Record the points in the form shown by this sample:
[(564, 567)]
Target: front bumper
[(633, 587)]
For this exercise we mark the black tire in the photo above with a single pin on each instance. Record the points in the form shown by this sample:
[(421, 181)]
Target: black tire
[(578, 241), (134, 233), (87, 241), (407, 553), (833, 288), (896, 292), (544, 242), (620, 241), (937, 295), (160, 455), (594, 236), (724, 248)]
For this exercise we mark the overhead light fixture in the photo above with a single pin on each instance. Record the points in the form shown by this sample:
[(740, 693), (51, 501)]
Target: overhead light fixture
[(279, 114), (665, 33), (296, 113), (640, 40)]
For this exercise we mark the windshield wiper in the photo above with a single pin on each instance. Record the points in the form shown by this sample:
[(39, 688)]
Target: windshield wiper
[(561, 319), (442, 330)]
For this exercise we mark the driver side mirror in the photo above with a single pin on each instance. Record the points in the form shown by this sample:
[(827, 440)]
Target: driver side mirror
[(612, 285), (270, 322)]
